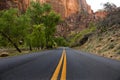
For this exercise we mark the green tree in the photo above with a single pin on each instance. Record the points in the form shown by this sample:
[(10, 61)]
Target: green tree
[(36, 11), (43, 14), (50, 21), (38, 36), (61, 41), (13, 26), (3, 42), (112, 18), (109, 7)]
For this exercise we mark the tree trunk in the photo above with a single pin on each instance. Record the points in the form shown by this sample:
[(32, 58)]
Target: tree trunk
[(9, 39), (30, 47)]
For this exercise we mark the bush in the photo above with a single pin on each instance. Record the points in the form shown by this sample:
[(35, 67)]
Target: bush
[(112, 20), (111, 46), (75, 41), (118, 52), (61, 41)]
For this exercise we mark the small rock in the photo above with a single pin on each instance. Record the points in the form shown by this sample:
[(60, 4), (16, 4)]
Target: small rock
[(4, 54), (111, 56)]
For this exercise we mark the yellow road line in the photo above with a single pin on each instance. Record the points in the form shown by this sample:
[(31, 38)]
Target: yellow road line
[(57, 70), (63, 75)]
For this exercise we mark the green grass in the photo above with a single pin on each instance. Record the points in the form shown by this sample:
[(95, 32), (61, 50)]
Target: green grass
[(118, 52), (16, 53), (80, 35)]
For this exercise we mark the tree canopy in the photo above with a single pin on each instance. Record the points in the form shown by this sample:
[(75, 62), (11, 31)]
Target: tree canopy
[(112, 19), (35, 28)]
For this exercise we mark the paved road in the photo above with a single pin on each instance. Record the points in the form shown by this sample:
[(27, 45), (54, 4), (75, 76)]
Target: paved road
[(64, 64)]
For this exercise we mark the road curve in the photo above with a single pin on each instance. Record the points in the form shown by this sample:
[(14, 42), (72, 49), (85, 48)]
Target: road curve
[(72, 65)]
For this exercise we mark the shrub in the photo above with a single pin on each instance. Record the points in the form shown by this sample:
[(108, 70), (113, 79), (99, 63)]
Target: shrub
[(118, 52), (111, 20), (77, 37), (111, 46), (61, 41)]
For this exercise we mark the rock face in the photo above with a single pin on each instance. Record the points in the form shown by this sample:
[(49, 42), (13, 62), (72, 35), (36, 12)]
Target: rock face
[(68, 7), (64, 7), (100, 14), (21, 4), (77, 14), (83, 6), (2, 4), (74, 24), (4, 54)]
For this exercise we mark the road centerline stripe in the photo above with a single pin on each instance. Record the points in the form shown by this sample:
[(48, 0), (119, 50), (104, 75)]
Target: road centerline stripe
[(57, 70), (63, 75)]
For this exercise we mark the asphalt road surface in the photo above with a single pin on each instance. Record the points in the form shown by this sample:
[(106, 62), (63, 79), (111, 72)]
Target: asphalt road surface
[(59, 64)]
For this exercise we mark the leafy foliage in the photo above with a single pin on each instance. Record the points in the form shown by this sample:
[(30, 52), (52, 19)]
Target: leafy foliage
[(61, 41), (35, 28), (112, 20), (75, 40), (38, 36), (109, 7), (13, 26), (43, 14)]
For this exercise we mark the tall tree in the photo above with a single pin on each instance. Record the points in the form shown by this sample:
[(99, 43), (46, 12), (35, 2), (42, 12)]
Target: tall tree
[(38, 36), (112, 19), (50, 21), (109, 7), (13, 26), (43, 14)]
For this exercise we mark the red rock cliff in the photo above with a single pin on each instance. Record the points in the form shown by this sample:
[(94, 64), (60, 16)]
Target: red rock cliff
[(21, 4), (63, 7), (100, 14), (68, 7)]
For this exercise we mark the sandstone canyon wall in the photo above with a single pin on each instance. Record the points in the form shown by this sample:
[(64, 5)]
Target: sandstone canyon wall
[(68, 7), (64, 7), (21, 4), (100, 14), (70, 10)]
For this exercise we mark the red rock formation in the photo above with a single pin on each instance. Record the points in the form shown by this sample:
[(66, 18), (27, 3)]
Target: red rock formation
[(100, 14), (69, 10), (3, 4), (69, 7), (84, 6), (64, 7), (21, 4)]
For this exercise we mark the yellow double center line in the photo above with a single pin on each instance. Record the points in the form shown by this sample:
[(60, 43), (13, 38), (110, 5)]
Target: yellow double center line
[(57, 70)]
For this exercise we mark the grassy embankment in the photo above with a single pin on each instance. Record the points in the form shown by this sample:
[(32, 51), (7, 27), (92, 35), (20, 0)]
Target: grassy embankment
[(107, 44), (105, 41), (12, 52)]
